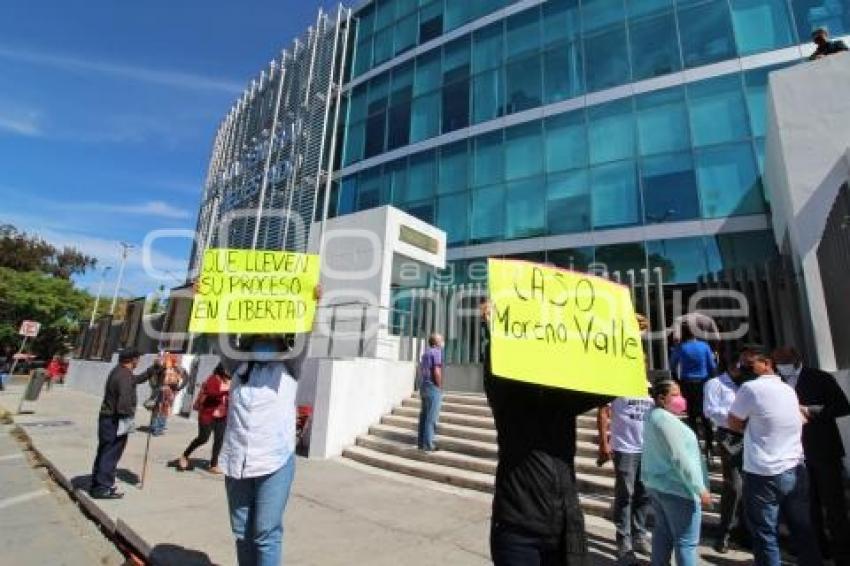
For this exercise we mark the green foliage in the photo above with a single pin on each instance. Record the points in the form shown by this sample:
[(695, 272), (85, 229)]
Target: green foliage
[(23, 252), (53, 301)]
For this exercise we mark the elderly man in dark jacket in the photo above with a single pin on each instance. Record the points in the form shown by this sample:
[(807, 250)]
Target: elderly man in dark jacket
[(537, 519), (821, 401), (119, 402)]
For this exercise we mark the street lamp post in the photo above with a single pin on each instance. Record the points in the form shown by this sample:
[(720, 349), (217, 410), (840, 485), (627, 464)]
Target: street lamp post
[(125, 249), (99, 291)]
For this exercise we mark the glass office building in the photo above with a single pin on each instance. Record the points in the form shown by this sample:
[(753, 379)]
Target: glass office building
[(628, 133)]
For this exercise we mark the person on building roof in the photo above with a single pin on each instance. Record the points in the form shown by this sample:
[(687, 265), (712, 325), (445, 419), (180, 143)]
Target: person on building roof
[(820, 37)]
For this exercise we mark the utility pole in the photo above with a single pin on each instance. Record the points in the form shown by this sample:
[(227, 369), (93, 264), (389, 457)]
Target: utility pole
[(125, 250), (99, 291)]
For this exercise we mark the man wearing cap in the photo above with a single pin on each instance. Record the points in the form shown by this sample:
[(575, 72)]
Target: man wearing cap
[(820, 37), (119, 404)]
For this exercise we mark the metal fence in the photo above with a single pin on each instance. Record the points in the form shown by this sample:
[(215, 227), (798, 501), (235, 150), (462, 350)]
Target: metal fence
[(752, 305), (834, 259)]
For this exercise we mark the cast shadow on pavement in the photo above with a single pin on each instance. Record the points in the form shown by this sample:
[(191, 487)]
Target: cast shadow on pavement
[(172, 554), (123, 474)]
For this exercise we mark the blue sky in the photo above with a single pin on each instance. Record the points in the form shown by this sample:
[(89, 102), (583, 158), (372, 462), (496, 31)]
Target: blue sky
[(108, 110)]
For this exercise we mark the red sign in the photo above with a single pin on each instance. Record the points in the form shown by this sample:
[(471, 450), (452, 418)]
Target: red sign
[(29, 328)]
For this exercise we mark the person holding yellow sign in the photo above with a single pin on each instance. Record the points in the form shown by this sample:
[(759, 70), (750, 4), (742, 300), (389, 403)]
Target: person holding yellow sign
[(556, 344), (266, 297)]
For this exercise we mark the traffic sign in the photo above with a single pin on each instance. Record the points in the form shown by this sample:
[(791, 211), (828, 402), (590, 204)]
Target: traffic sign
[(29, 328)]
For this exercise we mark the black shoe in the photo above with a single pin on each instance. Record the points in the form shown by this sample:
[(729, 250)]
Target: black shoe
[(641, 546), (106, 494), (721, 546)]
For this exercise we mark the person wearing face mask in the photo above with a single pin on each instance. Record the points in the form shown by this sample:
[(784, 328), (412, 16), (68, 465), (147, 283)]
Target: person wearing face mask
[(675, 477), (719, 395), (822, 401), (766, 410), (258, 453)]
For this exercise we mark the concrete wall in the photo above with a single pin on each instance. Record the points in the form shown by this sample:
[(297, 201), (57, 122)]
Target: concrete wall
[(464, 378), (806, 161), (361, 261), (351, 396), (90, 377)]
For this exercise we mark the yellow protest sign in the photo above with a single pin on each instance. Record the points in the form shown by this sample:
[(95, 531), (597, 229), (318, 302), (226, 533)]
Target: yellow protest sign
[(564, 329), (254, 292)]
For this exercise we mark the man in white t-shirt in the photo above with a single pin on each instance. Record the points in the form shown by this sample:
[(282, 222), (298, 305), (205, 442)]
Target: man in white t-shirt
[(631, 502), (775, 480)]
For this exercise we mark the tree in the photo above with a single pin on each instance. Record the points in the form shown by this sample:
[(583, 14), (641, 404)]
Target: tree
[(24, 252), (51, 300)]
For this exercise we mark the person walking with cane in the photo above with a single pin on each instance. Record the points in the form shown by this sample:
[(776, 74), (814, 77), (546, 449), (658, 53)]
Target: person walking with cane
[(116, 421)]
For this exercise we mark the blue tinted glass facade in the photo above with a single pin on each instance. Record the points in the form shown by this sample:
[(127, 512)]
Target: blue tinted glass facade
[(516, 138)]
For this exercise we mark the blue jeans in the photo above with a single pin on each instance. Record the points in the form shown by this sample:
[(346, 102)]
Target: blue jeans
[(677, 525), (158, 425), (256, 515), (431, 396), (631, 503), (764, 498)]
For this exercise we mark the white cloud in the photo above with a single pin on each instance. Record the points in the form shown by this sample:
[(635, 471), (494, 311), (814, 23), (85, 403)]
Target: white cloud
[(137, 281), (164, 77), (20, 120), (151, 208)]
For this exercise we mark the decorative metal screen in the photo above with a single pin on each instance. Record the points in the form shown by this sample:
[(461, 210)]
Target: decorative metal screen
[(273, 153)]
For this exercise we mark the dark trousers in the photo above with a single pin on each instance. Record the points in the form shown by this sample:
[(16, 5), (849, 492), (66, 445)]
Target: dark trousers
[(509, 547), (216, 428), (631, 502), (110, 447), (829, 509), (731, 502), (692, 391)]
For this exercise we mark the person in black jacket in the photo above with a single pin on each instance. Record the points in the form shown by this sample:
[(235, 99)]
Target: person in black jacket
[(825, 47), (119, 402), (821, 401), (537, 518)]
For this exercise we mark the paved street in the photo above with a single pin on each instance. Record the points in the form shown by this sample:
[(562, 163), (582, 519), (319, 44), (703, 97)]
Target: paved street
[(39, 524), (340, 512)]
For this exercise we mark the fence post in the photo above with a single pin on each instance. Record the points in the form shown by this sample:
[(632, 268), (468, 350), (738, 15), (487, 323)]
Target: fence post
[(662, 318), (332, 331), (363, 316)]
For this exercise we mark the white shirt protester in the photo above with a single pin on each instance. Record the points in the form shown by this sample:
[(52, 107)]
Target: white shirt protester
[(627, 415), (260, 434), (773, 434), (719, 394)]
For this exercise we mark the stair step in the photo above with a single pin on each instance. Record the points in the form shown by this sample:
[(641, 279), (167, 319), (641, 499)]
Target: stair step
[(478, 410), (443, 457), (443, 428), (451, 418), (463, 431), (477, 399), (410, 407), (422, 469), (461, 445), (430, 466)]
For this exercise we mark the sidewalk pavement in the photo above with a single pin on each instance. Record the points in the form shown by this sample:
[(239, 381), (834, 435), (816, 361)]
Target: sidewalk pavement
[(339, 512), (39, 524)]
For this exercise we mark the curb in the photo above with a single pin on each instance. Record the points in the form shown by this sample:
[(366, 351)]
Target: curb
[(135, 548)]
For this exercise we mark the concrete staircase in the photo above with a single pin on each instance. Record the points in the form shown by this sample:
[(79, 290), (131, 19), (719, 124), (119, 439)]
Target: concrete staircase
[(467, 455)]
